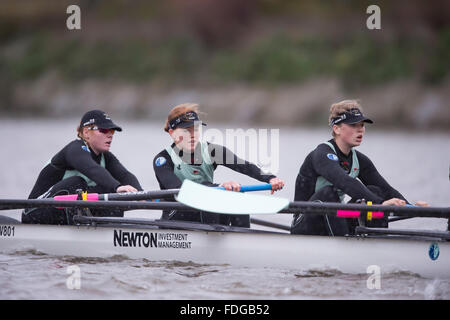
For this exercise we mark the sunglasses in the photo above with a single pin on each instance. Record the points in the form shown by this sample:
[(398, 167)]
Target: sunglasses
[(104, 131)]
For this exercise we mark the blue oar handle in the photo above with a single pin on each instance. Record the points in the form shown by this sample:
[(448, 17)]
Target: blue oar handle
[(257, 187)]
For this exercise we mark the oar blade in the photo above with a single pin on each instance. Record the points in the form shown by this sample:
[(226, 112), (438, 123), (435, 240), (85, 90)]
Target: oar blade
[(208, 199)]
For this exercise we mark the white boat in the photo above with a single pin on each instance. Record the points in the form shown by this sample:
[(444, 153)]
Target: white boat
[(427, 257), (424, 253)]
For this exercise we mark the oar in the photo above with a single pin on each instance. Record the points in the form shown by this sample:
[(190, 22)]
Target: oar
[(393, 219), (9, 204), (203, 198), (140, 195), (195, 196), (378, 211), (212, 200), (308, 207), (148, 195)]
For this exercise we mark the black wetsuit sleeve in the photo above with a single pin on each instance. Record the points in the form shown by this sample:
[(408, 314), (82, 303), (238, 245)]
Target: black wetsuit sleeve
[(221, 155), (48, 176), (81, 160), (333, 172), (164, 171), (305, 182), (369, 175), (119, 172)]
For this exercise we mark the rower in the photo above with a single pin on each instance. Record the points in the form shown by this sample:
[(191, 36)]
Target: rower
[(189, 158), (335, 169), (84, 164)]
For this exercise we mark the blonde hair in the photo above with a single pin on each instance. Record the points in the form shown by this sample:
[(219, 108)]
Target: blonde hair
[(179, 110), (338, 108), (80, 131), (343, 106)]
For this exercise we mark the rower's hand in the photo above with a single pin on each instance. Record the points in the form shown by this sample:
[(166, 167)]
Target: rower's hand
[(277, 184), (231, 186), (394, 202), (421, 204), (126, 188)]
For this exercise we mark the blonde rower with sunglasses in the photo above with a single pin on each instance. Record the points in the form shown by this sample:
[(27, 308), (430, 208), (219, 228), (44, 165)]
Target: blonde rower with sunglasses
[(86, 164)]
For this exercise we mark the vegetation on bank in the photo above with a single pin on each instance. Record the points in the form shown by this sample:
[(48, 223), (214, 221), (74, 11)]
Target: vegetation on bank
[(276, 60), (297, 55)]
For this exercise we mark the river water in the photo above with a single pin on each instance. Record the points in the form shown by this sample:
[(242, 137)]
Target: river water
[(417, 164)]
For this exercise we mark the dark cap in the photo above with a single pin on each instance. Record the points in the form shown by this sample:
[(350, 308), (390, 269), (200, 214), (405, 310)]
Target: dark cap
[(349, 117), (185, 120), (100, 119)]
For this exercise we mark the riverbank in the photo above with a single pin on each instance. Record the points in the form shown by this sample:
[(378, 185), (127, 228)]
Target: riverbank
[(404, 104)]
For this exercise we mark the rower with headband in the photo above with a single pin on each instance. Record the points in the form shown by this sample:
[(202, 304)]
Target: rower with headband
[(189, 158), (351, 116), (336, 169)]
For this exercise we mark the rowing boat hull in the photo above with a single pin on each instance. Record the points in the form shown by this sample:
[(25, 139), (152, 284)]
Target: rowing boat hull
[(347, 255)]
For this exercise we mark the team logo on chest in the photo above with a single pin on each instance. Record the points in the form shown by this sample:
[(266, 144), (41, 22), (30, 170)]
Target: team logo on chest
[(332, 156), (160, 161), (85, 148)]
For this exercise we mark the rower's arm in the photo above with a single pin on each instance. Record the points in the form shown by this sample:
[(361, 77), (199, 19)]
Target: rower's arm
[(369, 175), (120, 173), (221, 155), (81, 160), (330, 169)]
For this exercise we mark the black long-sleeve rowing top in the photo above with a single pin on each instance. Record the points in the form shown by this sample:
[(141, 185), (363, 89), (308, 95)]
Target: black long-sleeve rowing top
[(336, 170), (220, 155), (77, 156)]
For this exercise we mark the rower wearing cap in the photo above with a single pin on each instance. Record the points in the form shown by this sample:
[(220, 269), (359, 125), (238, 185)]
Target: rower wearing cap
[(189, 158), (335, 169), (83, 164)]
